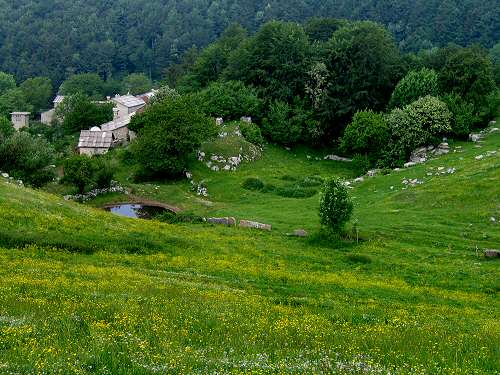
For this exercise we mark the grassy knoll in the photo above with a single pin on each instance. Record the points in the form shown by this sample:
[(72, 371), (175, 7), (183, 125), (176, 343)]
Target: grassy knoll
[(104, 294)]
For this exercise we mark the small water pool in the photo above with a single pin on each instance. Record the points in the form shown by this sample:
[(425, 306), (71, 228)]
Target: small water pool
[(139, 211)]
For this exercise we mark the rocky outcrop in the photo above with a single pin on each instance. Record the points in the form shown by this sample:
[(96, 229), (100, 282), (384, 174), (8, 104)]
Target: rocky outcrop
[(255, 225)]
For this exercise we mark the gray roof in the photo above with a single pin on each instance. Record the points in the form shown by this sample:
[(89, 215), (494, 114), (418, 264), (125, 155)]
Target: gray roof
[(117, 123), (95, 139), (59, 99), (129, 101)]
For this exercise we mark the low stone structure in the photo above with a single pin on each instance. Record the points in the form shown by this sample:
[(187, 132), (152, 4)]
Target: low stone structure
[(20, 119), (255, 225), (337, 158)]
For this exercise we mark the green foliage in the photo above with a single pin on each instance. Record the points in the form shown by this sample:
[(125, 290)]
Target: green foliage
[(78, 112), (38, 92), (274, 60), (14, 100), (321, 29), (136, 83), (7, 82), (104, 172), (432, 115), (367, 134), (335, 207), (88, 84), (6, 128), (279, 125), (415, 85), (164, 93), (230, 100), (252, 183), (495, 59), (169, 134), (27, 158), (296, 191), (464, 118), (364, 65), (468, 72), (251, 132), (78, 171), (362, 163)]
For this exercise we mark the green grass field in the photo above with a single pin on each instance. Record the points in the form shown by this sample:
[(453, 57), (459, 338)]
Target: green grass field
[(83, 291)]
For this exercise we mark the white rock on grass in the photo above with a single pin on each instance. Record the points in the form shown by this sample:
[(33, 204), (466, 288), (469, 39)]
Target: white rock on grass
[(479, 157)]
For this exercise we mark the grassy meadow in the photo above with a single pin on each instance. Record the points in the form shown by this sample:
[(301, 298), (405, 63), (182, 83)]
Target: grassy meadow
[(83, 291)]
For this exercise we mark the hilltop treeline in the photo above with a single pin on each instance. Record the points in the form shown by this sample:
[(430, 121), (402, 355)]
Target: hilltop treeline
[(56, 38)]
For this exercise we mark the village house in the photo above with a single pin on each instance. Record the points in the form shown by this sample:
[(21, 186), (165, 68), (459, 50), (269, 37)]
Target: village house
[(94, 141), (48, 116), (127, 104), (20, 119), (119, 128)]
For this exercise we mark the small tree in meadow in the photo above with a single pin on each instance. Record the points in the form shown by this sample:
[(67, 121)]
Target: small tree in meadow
[(335, 208), (78, 171), (367, 134)]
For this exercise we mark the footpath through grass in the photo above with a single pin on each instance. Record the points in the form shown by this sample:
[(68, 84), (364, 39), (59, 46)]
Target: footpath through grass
[(83, 291)]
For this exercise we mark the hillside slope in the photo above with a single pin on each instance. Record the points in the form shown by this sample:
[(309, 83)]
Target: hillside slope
[(84, 291)]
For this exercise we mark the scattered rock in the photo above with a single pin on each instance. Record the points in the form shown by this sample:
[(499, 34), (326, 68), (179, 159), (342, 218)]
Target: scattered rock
[(475, 137), (5, 175), (115, 188), (492, 253), (359, 179), (228, 221), (410, 164), (373, 172), (299, 233), (413, 182), (189, 175), (493, 219), (255, 225), (419, 155), (246, 119), (493, 130), (479, 157), (219, 121), (337, 158), (442, 149)]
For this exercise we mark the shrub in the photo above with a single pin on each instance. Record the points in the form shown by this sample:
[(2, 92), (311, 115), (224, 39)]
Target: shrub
[(415, 85), (230, 100), (103, 173), (312, 181), (361, 163), (251, 132), (78, 171), (252, 183), (278, 125), (367, 134), (336, 206), (27, 158), (463, 118), (432, 115), (171, 131), (296, 191), (6, 128)]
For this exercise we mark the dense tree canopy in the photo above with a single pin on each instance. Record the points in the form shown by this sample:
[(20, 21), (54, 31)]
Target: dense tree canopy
[(58, 38)]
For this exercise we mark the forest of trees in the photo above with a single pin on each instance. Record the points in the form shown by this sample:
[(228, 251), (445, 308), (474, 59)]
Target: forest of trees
[(57, 38)]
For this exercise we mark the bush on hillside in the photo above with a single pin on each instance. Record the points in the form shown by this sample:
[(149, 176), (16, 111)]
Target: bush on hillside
[(296, 191), (171, 131), (279, 127), (367, 134), (6, 128), (252, 183), (415, 85), (251, 132), (230, 100), (27, 158), (433, 115), (362, 163), (464, 118), (78, 171), (335, 208), (104, 172)]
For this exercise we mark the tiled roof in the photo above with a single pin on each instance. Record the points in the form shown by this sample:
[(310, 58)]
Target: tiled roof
[(59, 99), (95, 139), (129, 101), (117, 123)]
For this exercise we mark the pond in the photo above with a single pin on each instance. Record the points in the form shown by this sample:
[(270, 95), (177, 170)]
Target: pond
[(139, 211)]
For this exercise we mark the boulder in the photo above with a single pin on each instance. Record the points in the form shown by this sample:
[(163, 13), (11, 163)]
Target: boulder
[(410, 164), (5, 175), (474, 137), (219, 121), (300, 233), (373, 172), (492, 253), (228, 221), (359, 179), (246, 119), (337, 158), (255, 225)]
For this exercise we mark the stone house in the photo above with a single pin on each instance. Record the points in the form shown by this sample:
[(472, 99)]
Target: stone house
[(20, 119), (48, 116), (94, 142), (119, 128), (127, 104)]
